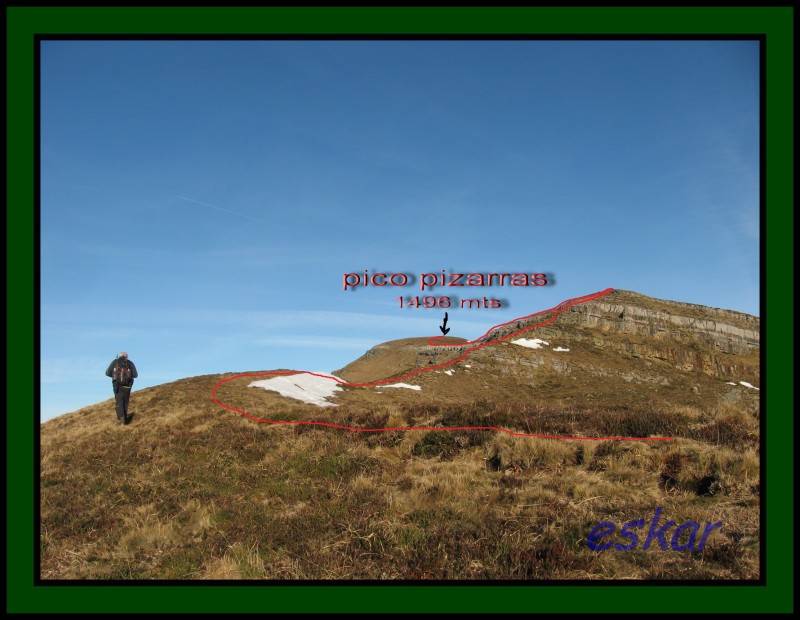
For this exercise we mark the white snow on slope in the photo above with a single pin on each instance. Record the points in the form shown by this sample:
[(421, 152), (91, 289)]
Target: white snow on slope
[(748, 385), (467, 366), (730, 383), (308, 388), (403, 385), (534, 343), (448, 372), (560, 349)]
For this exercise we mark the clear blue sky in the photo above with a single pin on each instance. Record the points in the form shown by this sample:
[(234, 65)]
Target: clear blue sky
[(201, 200)]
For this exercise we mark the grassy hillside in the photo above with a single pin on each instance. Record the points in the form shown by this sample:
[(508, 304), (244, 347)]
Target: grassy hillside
[(191, 491)]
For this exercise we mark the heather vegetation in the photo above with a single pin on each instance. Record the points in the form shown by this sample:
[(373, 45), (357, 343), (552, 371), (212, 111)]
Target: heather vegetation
[(191, 491)]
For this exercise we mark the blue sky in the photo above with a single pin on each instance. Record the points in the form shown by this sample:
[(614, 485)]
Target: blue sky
[(201, 200)]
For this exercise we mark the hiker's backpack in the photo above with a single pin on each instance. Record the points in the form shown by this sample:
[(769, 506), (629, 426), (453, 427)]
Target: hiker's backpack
[(122, 373)]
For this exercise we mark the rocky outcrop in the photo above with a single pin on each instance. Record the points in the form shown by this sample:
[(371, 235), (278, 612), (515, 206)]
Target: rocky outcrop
[(725, 331), (396, 356), (721, 343), (686, 337)]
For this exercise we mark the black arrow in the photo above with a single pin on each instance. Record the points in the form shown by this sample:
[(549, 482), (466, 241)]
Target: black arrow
[(443, 326)]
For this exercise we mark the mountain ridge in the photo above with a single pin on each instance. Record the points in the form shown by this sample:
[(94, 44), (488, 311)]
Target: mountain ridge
[(192, 491), (623, 311)]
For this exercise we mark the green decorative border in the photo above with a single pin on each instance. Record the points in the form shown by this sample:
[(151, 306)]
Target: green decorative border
[(24, 23)]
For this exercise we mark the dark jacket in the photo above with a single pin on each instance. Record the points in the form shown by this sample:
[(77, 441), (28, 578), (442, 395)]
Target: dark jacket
[(119, 360)]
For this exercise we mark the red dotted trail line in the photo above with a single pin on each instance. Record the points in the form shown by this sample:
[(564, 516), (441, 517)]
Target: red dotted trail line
[(478, 343)]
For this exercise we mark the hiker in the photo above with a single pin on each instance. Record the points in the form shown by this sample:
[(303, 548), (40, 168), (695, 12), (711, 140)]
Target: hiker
[(122, 372)]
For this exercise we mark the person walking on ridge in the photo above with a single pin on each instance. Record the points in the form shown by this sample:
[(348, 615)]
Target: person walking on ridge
[(122, 372)]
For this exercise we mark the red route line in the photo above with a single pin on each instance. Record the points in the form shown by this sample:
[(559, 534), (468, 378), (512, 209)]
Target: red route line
[(433, 341)]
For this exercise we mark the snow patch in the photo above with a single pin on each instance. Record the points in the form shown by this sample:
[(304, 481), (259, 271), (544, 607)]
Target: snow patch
[(448, 372), (534, 343), (305, 387), (730, 383), (748, 385), (560, 349), (403, 385), (467, 366)]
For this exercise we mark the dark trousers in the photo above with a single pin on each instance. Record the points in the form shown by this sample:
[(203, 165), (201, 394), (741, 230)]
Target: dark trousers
[(122, 395)]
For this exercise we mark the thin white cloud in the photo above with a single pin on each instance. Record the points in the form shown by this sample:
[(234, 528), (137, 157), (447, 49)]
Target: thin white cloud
[(134, 317), (317, 342), (247, 257), (71, 369), (218, 208)]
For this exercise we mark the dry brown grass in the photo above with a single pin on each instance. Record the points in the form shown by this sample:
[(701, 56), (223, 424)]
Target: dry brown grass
[(190, 492)]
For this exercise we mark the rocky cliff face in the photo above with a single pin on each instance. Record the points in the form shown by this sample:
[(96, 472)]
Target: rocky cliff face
[(716, 342), (628, 313)]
